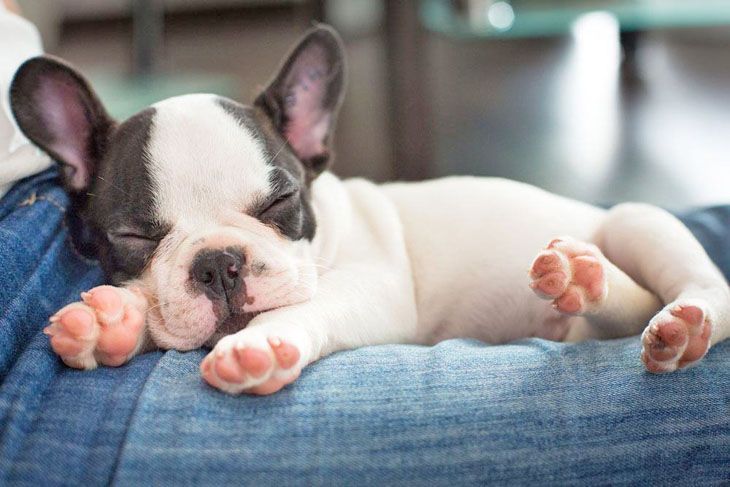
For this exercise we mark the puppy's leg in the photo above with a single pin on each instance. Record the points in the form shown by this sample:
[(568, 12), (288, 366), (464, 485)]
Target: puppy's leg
[(353, 307), (660, 253), (580, 280), (107, 327)]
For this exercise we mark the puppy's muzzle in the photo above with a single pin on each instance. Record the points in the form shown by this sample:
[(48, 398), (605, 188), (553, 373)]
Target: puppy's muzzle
[(219, 274)]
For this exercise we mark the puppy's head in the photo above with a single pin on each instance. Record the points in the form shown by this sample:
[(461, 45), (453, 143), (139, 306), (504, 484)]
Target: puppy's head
[(203, 200)]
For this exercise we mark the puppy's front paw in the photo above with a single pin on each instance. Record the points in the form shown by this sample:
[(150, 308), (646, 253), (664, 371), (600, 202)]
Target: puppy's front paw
[(571, 273), (252, 362), (104, 328), (676, 337)]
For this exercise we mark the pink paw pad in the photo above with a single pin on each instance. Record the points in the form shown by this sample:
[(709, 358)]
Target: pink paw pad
[(678, 336), (571, 273), (287, 355), (254, 362), (570, 302), (228, 368), (105, 300), (588, 274), (120, 338), (105, 327), (71, 330), (233, 369)]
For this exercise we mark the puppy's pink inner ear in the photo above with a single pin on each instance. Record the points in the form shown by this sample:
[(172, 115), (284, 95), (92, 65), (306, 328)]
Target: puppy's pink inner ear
[(65, 118), (308, 120), (306, 134)]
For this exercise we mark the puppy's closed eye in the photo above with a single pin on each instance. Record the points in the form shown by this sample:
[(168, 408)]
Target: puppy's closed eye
[(133, 240), (279, 203)]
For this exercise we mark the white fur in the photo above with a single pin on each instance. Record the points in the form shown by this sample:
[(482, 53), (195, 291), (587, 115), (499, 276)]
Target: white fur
[(204, 163), (415, 262)]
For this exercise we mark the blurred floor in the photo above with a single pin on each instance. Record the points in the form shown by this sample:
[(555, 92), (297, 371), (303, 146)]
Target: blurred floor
[(552, 112), (557, 113)]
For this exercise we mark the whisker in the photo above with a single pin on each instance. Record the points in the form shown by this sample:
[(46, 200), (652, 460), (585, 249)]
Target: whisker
[(277, 288), (100, 197), (277, 152), (321, 266), (114, 186), (322, 259), (158, 305), (256, 231), (277, 274)]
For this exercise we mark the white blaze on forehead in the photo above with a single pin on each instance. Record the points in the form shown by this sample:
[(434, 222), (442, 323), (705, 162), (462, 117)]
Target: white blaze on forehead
[(203, 162)]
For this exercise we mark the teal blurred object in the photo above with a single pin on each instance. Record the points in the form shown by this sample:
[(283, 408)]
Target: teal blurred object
[(536, 18), (125, 96)]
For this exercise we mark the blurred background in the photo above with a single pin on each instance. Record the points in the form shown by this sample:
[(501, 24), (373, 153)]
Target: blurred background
[(601, 100)]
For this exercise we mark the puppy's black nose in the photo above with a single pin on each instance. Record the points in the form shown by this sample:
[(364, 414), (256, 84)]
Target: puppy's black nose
[(218, 272)]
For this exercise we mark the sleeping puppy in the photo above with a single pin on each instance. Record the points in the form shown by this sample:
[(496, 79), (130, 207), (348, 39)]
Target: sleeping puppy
[(219, 225)]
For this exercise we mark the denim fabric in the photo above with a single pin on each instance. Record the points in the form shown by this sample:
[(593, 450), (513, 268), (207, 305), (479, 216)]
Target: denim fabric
[(56, 423), (458, 413)]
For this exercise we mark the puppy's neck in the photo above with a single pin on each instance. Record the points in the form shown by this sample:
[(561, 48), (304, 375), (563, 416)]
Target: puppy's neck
[(332, 209)]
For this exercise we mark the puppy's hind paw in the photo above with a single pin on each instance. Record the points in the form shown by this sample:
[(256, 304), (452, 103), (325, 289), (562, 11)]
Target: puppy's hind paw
[(678, 336), (571, 274)]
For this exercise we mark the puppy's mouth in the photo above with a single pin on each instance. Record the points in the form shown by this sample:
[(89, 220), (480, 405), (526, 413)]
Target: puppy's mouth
[(230, 325), (233, 307)]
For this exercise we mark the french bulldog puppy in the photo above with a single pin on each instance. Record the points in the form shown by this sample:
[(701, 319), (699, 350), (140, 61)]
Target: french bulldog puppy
[(219, 225)]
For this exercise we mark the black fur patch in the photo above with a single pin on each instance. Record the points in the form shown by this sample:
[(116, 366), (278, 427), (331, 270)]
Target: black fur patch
[(292, 216), (120, 204)]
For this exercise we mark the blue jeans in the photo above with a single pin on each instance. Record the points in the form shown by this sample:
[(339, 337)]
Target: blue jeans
[(461, 412)]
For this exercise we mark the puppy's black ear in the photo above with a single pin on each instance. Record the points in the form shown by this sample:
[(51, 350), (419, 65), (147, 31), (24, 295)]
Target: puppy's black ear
[(304, 97), (59, 112)]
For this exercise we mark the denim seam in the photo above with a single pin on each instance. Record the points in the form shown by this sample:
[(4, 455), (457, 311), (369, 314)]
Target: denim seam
[(33, 198)]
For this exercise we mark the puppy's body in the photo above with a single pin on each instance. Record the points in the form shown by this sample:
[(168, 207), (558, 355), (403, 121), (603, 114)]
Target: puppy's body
[(465, 257), (469, 243), (222, 228), (478, 265)]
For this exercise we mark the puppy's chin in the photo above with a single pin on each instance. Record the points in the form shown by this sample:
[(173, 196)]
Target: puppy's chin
[(169, 333), (183, 326)]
